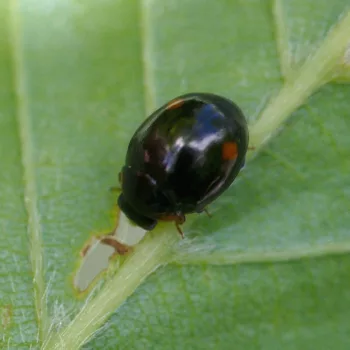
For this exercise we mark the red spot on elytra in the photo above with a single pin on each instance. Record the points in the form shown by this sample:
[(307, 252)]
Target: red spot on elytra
[(229, 151)]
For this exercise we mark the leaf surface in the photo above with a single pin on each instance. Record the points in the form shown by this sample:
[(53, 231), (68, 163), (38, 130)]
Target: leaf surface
[(269, 269)]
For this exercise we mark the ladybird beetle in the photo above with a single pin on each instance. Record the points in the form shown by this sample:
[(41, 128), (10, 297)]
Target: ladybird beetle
[(181, 158)]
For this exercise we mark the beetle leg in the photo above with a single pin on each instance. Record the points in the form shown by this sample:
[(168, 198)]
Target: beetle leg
[(179, 229), (205, 209), (180, 219)]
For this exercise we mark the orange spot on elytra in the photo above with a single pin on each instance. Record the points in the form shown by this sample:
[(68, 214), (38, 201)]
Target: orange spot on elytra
[(175, 104), (229, 151)]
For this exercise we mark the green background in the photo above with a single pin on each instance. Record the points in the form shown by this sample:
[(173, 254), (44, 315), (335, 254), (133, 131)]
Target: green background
[(77, 77)]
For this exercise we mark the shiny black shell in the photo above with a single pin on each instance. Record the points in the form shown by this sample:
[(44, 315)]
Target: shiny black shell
[(181, 158)]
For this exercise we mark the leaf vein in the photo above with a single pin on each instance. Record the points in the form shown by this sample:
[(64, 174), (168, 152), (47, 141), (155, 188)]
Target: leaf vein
[(147, 59), (26, 148), (203, 256), (282, 39)]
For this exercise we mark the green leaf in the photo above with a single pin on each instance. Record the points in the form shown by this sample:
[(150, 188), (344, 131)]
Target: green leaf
[(270, 268)]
